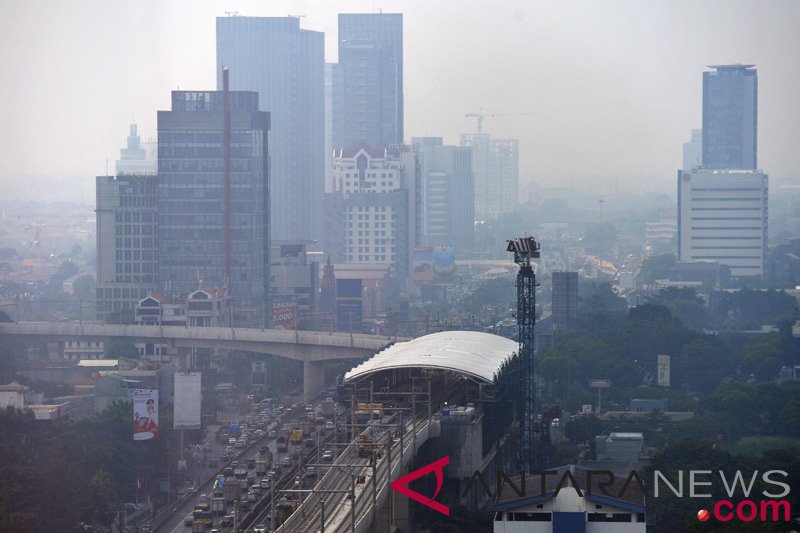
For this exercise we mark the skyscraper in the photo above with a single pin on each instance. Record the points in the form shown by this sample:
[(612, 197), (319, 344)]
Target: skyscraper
[(448, 194), (368, 80), (213, 187), (135, 157), (730, 117), (127, 241), (693, 151), (371, 215), (722, 206), (495, 163), (285, 65)]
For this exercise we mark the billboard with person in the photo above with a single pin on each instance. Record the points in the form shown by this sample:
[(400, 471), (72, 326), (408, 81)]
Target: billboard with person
[(145, 414)]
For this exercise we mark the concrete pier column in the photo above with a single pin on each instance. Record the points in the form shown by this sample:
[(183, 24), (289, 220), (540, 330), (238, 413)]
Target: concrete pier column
[(313, 379), (400, 513)]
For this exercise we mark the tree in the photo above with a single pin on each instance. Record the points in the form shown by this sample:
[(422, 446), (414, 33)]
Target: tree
[(702, 364), (656, 267), (83, 287), (764, 356), (601, 296), (684, 304)]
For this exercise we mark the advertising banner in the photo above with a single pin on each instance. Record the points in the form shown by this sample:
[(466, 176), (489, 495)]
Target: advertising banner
[(145, 414), (663, 370), (444, 263), (284, 311), (349, 304), (423, 265), (187, 400)]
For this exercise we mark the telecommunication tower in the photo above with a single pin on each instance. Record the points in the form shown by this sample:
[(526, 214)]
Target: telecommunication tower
[(525, 249)]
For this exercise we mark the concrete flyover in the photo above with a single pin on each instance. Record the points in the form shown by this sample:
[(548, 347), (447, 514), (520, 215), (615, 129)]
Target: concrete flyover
[(313, 348)]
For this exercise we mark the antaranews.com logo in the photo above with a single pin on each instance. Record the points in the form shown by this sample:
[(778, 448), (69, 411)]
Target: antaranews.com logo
[(773, 507)]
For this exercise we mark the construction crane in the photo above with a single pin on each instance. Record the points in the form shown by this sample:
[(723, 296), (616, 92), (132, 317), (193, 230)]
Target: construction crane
[(480, 115)]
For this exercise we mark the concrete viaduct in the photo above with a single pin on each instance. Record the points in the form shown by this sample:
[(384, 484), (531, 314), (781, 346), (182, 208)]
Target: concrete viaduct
[(313, 348)]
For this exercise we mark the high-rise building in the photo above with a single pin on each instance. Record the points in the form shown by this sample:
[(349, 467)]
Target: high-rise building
[(371, 217), (213, 187), (722, 216), (285, 65), (730, 117), (565, 299), (127, 241), (137, 157), (693, 151), (448, 194), (495, 164), (368, 80)]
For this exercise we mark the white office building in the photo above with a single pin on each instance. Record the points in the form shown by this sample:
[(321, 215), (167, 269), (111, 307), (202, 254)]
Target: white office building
[(722, 216)]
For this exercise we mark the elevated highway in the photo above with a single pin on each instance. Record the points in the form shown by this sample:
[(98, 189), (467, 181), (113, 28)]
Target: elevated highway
[(313, 348)]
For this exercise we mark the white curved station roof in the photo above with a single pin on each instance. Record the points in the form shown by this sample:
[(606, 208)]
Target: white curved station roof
[(469, 352)]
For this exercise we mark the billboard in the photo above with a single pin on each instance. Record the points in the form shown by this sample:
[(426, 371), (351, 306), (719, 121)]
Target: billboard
[(422, 259), (145, 414), (284, 311), (187, 400), (663, 370), (444, 263), (349, 304)]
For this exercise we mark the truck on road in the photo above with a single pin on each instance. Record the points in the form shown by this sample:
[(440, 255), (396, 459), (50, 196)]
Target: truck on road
[(231, 490), (283, 441), (261, 467), (218, 506)]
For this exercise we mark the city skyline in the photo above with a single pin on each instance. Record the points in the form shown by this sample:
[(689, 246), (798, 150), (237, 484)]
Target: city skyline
[(608, 81)]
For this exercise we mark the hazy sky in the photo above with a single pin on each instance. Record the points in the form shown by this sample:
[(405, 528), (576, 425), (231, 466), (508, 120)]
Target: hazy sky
[(618, 84)]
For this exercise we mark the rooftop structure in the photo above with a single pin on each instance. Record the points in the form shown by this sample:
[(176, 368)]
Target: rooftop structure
[(475, 354)]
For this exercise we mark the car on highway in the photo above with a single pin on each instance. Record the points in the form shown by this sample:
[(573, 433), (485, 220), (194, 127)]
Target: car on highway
[(327, 456), (285, 462), (260, 528), (272, 434), (187, 522), (226, 520), (265, 483), (329, 425)]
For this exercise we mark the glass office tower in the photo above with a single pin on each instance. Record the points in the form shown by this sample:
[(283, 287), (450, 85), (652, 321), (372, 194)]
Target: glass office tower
[(213, 191)]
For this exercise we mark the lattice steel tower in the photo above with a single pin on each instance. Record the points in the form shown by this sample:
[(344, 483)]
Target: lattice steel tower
[(525, 249)]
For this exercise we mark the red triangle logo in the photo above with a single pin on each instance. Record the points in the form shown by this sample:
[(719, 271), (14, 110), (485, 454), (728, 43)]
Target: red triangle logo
[(401, 484)]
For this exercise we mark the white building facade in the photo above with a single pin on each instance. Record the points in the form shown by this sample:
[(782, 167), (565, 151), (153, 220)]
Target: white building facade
[(371, 215), (723, 217)]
